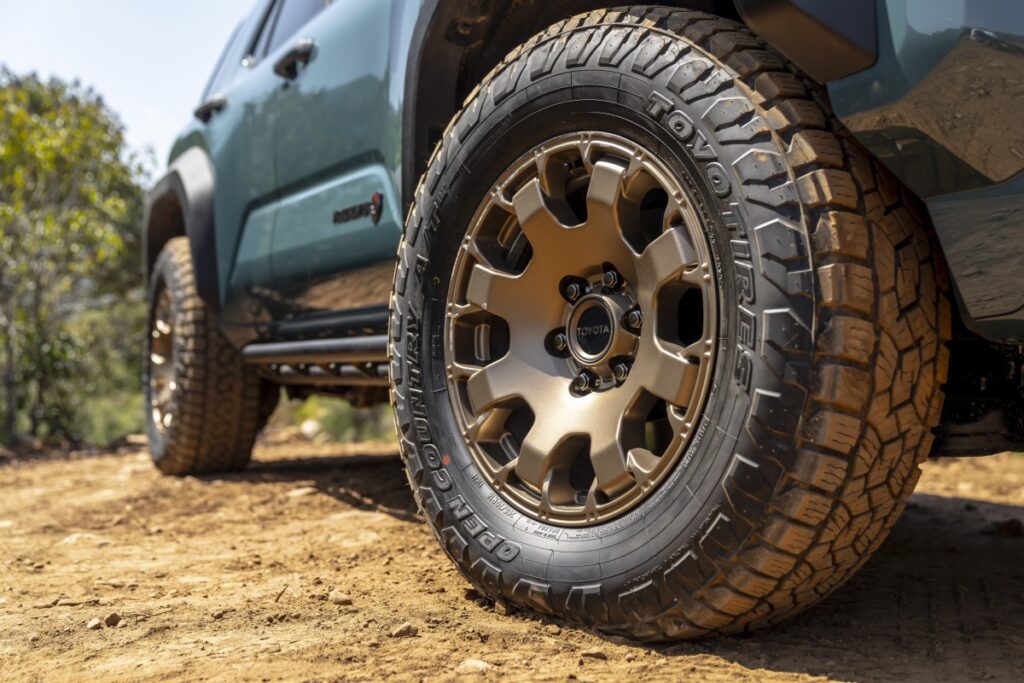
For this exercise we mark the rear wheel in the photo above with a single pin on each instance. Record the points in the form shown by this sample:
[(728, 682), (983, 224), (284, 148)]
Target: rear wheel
[(204, 408), (666, 344)]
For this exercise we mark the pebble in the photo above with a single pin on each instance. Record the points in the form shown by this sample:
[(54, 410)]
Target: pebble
[(553, 629), (406, 630), (33, 638), (301, 491), (472, 666), (594, 653), (112, 619), (218, 614), (94, 624), (339, 598)]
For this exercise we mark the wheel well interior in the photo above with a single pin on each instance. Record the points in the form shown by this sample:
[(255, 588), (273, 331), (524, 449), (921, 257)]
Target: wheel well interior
[(166, 221), (463, 41)]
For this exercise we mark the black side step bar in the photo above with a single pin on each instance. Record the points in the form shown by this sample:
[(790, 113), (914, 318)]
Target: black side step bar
[(348, 361)]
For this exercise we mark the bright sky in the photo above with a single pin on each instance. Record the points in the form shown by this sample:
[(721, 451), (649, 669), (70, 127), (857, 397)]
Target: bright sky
[(149, 59)]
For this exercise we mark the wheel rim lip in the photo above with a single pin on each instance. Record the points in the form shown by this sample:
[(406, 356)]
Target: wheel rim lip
[(162, 382), (571, 516)]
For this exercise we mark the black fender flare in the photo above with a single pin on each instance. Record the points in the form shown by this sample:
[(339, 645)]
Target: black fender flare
[(181, 203)]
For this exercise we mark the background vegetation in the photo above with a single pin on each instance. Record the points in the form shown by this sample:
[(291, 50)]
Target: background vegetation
[(72, 309)]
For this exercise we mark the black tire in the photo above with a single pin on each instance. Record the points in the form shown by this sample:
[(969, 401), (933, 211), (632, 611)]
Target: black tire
[(832, 305), (218, 405)]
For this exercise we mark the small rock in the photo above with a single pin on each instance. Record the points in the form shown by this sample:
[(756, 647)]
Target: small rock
[(594, 653), (218, 614), (630, 657), (310, 428), (552, 629), (34, 638), (94, 624), (112, 619), (339, 598), (469, 666), (302, 491), (406, 630), (81, 537)]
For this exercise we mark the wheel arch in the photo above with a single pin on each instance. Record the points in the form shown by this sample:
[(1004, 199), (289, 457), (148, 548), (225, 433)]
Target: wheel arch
[(454, 46), (181, 205)]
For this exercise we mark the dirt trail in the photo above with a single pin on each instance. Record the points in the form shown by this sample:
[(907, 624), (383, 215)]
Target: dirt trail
[(304, 566)]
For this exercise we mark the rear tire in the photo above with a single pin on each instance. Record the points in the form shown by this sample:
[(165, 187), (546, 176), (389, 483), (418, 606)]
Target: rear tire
[(204, 408), (832, 319)]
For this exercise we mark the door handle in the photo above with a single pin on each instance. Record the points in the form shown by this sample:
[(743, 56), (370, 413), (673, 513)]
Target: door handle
[(300, 53), (213, 104)]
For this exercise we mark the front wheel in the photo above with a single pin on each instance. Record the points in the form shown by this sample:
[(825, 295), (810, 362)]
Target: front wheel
[(667, 345)]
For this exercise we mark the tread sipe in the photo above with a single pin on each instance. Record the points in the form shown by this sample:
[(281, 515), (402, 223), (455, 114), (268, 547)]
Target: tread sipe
[(219, 405), (854, 354)]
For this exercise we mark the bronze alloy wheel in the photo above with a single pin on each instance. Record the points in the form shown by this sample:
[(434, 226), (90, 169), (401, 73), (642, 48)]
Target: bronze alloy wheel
[(581, 329), (161, 361)]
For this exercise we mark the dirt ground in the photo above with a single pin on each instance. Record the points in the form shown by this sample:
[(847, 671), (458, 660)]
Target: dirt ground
[(309, 565)]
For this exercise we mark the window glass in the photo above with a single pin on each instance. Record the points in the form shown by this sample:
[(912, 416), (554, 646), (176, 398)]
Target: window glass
[(259, 44), (294, 14), (226, 66)]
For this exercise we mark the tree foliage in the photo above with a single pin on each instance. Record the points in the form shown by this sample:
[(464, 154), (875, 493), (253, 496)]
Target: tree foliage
[(70, 206)]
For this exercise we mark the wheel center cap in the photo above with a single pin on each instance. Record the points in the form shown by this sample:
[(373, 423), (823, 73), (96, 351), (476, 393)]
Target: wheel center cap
[(592, 328)]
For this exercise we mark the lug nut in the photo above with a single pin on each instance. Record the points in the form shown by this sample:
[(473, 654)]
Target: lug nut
[(573, 291), (560, 342), (621, 371), (635, 319), (612, 279), (584, 382)]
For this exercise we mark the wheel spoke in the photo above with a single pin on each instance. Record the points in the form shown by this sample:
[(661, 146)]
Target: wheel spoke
[(604, 194), (665, 259), (609, 461), (493, 291), (539, 451), (641, 463), (536, 219), (668, 375), (501, 380)]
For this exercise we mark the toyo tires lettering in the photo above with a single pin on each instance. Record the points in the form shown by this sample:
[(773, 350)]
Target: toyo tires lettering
[(661, 109)]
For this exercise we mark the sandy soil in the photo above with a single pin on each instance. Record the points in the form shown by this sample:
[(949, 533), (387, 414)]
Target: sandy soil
[(308, 566)]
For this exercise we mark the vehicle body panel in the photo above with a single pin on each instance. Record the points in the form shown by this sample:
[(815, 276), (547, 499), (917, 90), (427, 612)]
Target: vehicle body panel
[(337, 143), (935, 103), (941, 108)]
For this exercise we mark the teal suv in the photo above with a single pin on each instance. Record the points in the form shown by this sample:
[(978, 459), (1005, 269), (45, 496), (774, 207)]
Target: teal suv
[(683, 296)]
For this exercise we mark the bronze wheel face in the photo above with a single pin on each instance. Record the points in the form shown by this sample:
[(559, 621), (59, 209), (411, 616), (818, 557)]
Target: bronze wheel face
[(162, 383), (581, 329)]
